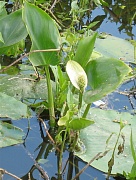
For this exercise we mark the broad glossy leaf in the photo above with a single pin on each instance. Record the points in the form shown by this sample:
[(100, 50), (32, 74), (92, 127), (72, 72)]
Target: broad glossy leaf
[(12, 29), (79, 123), (3, 11), (115, 47), (43, 33), (24, 86), (97, 138), (10, 135), (2, 4), (12, 108), (85, 49), (104, 76)]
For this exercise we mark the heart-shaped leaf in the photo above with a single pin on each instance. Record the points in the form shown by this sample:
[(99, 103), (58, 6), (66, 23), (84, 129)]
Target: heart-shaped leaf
[(104, 76), (43, 33), (12, 29)]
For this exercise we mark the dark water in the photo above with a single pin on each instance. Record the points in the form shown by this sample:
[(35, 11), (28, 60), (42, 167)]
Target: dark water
[(19, 159)]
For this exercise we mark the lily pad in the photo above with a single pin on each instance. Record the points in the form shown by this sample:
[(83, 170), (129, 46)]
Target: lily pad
[(12, 108), (95, 139), (10, 135), (24, 86), (115, 47)]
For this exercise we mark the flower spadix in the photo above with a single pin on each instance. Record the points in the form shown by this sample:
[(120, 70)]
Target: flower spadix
[(76, 75)]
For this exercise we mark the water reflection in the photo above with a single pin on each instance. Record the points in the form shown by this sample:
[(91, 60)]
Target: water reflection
[(122, 13)]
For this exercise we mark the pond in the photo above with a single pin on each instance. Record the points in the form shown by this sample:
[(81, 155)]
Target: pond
[(20, 160)]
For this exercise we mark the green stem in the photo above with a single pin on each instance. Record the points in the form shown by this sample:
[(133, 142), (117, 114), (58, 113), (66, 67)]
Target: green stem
[(80, 100), (61, 152), (86, 110), (50, 97), (135, 53)]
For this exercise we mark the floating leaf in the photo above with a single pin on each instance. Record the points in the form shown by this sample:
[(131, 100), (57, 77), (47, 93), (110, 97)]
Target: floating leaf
[(24, 86), (43, 33), (104, 76), (94, 137), (10, 135), (12, 108), (115, 47)]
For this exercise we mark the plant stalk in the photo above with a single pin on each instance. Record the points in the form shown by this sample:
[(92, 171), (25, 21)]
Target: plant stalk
[(86, 110), (80, 100), (50, 97), (61, 152)]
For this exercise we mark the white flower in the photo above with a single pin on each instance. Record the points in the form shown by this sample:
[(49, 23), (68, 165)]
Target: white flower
[(76, 75)]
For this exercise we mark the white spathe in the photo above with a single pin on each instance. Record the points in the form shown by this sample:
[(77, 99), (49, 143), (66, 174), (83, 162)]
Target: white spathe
[(76, 75)]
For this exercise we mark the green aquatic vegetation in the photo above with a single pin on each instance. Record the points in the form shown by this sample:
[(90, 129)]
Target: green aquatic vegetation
[(71, 75)]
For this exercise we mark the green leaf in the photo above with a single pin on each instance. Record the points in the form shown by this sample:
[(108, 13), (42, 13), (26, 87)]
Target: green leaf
[(12, 29), (14, 49), (13, 70), (133, 151), (3, 11), (115, 47), (104, 3), (24, 86), (2, 4), (63, 120), (133, 171), (10, 135), (1, 38), (84, 50), (104, 76), (43, 33), (12, 108), (95, 137), (79, 123)]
